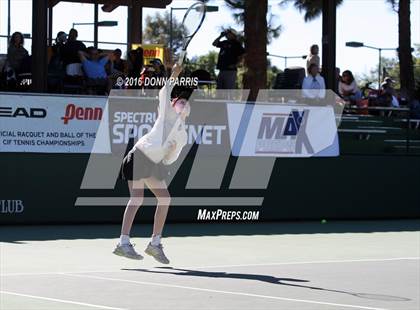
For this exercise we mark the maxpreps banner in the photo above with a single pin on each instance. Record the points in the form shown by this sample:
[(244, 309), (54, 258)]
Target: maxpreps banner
[(49, 124), (282, 130)]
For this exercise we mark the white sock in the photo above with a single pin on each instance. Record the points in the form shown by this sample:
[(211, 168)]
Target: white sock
[(124, 239), (155, 240)]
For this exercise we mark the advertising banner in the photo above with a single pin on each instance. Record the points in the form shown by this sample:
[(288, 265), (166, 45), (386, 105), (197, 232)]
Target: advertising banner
[(282, 130), (63, 124), (49, 124)]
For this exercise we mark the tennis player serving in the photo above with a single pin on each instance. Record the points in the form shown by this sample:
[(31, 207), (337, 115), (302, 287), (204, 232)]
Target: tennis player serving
[(146, 164)]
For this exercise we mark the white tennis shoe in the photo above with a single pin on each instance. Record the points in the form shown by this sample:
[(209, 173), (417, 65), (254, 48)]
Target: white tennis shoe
[(127, 250), (157, 253)]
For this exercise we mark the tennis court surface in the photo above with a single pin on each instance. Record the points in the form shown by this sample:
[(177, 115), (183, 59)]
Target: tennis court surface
[(305, 265)]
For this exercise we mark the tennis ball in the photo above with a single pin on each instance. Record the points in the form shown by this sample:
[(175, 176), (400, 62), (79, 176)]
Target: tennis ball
[(323, 221)]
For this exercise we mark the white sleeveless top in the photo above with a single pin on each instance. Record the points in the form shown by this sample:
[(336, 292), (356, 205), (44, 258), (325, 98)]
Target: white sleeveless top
[(169, 128)]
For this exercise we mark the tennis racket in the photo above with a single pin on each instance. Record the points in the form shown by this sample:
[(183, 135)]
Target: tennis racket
[(192, 21)]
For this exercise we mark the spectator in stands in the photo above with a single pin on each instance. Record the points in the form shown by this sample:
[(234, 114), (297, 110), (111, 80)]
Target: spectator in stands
[(388, 90), (94, 63), (151, 73), (70, 54), (231, 52), (16, 53), (146, 74), (94, 67), (415, 105), (60, 41), (135, 62), (159, 68), (56, 69), (313, 86), (388, 86), (118, 65), (337, 77), (313, 57), (56, 60), (348, 89)]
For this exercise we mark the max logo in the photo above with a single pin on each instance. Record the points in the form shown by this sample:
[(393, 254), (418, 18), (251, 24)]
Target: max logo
[(284, 133)]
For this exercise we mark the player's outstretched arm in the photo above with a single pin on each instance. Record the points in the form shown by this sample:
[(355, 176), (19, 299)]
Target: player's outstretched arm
[(176, 70)]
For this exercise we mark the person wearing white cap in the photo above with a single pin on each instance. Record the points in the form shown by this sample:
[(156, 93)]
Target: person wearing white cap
[(388, 89), (388, 86), (230, 54)]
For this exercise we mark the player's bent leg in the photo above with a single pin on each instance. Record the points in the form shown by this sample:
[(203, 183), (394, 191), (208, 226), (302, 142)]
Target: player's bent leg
[(136, 199), (124, 247), (160, 190)]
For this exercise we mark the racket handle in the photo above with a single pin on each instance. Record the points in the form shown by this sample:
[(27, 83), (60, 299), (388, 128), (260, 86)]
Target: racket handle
[(181, 57)]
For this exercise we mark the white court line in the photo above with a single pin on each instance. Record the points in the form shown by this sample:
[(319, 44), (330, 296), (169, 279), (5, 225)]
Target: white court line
[(307, 262), (60, 300), (220, 266), (227, 292), (16, 274)]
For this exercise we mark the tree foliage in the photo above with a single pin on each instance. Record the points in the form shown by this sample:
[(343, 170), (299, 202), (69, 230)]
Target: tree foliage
[(392, 69), (157, 31), (312, 9), (238, 8), (206, 62)]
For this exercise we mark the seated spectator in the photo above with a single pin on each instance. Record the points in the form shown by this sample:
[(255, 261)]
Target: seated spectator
[(58, 47), (16, 53), (388, 86), (70, 54), (16, 60), (389, 94), (56, 69), (146, 74), (348, 89), (60, 41), (415, 105), (93, 63), (118, 65), (152, 73), (313, 57), (159, 68), (135, 62), (313, 86)]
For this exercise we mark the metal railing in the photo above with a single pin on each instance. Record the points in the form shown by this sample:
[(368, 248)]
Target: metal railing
[(379, 131), (84, 41)]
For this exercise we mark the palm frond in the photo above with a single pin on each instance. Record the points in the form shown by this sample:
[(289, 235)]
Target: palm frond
[(312, 9), (394, 4)]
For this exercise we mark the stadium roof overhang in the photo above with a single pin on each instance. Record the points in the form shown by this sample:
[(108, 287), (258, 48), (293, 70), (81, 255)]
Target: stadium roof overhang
[(110, 5)]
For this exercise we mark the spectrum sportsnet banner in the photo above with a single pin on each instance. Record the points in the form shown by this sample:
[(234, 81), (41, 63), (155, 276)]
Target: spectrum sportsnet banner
[(49, 124), (131, 116)]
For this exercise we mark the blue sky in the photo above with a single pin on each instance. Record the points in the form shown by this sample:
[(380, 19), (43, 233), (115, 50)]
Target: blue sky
[(370, 21)]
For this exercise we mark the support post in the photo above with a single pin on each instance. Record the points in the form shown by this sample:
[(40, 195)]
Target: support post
[(329, 24), (39, 45)]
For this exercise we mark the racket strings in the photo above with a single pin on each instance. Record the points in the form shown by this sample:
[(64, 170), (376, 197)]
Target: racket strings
[(193, 18)]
